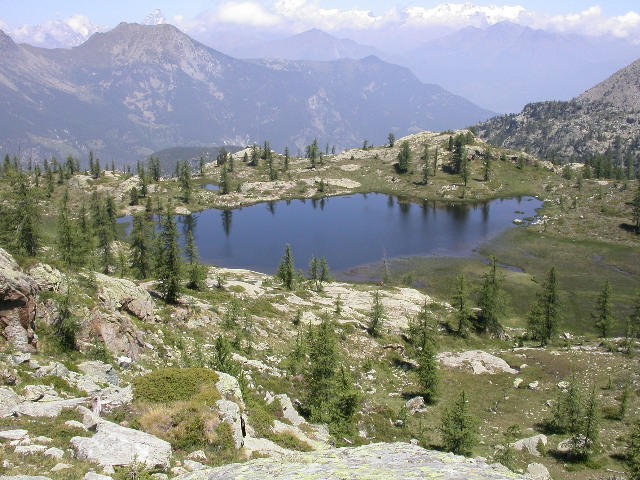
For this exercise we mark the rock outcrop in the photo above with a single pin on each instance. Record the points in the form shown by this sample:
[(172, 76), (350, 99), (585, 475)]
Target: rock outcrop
[(114, 445), (380, 460), (476, 360), (17, 305), (121, 294)]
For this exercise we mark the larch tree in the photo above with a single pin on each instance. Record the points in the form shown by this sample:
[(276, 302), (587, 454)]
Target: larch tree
[(492, 300), (287, 270), (458, 427), (544, 316), (170, 260), (461, 306), (142, 244), (404, 157), (377, 315), (603, 315)]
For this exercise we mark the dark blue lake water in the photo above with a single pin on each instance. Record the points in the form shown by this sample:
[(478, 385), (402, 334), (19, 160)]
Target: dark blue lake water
[(351, 231)]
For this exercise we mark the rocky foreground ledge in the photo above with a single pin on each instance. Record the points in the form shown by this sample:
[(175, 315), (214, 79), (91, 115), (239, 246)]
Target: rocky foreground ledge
[(376, 461)]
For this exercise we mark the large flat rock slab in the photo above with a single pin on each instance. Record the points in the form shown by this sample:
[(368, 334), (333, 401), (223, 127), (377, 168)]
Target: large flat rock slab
[(389, 461)]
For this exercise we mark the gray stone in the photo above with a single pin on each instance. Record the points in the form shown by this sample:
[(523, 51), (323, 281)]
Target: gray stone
[(537, 471), (535, 386), (192, 465), (18, 434), (229, 388), (160, 476), (96, 476), (122, 294), (476, 360), (197, 455), (391, 461), (75, 424), (100, 372), (23, 477), (8, 401), (287, 410), (116, 445), (46, 409), (35, 393), (415, 405), (61, 466), (54, 452), (229, 413), (530, 444), (48, 278), (29, 449), (17, 305), (517, 382), (20, 358)]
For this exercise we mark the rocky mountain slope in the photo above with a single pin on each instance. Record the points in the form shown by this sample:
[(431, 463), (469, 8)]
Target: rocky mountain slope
[(606, 118), (136, 89)]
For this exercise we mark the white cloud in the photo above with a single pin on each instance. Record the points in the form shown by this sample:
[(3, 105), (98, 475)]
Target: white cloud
[(246, 13), (460, 15)]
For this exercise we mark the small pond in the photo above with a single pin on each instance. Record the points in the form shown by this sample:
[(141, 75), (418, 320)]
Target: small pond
[(351, 231)]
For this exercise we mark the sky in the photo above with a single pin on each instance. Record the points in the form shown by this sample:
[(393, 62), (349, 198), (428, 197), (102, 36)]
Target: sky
[(27, 20)]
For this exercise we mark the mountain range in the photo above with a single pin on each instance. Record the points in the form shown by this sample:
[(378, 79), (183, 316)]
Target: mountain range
[(136, 89), (603, 120), (501, 67)]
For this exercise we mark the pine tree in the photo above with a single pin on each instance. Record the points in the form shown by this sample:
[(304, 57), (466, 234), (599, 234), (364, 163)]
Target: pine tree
[(377, 315), (585, 441), (459, 427), (225, 181), (186, 182), (170, 262), (286, 159), (392, 139), (26, 216), (487, 166), (636, 209), (493, 300), (142, 245), (634, 317), (461, 307), (603, 315), (428, 372), (404, 158), (633, 452), (544, 316), (196, 272), (68, 238), (321, 371), (287, 270), (426, 165)]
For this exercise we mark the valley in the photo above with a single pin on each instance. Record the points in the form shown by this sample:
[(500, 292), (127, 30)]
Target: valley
[(255, 327)]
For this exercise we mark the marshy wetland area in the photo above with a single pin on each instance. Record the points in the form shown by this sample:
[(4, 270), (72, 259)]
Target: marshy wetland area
[(303, 336)]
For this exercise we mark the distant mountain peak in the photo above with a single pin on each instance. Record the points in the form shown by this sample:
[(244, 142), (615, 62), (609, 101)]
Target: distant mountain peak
[(155, 18)]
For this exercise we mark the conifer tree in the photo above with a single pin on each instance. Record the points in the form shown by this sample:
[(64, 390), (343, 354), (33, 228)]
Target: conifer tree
[(377, 315), (603, 315), (392, 139), (493, 300), (196, 272), (634, 317), (636, 209), (459, 427), (544, 316), (186, 183), (287, 270), (404, 157), (461, 307), (633, 452), (68, 237), (225, 181), (142, 245), (26, 216), (321, 371), (428, 372), (286, 159), (487, 166), (170, 262), (426, 165)]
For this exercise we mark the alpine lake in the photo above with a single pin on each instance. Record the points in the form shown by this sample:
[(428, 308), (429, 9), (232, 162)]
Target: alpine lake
[(352, 232)]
